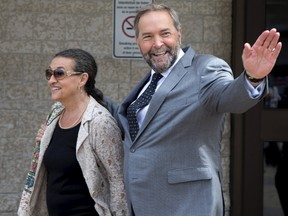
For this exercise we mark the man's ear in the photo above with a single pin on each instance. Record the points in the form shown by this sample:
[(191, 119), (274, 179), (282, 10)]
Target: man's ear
[(180, 34)]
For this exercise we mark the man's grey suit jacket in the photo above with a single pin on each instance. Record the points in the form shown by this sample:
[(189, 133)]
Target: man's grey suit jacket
[(173, 166)]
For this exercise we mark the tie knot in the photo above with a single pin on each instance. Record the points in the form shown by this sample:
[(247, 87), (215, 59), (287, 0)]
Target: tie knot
[(156, 77)]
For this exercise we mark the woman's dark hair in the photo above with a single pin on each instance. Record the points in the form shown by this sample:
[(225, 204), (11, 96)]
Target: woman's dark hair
[(85, 62)]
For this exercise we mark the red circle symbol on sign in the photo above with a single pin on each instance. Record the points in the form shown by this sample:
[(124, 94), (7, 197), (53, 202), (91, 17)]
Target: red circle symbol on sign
[(128, 27)]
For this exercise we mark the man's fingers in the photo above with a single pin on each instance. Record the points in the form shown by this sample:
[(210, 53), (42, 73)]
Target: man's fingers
[(261, 40), (276, 50), (274, 42), (271, 39), (268, 40)]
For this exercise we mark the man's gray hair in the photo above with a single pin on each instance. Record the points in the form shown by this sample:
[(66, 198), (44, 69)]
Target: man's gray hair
[(156, 7)]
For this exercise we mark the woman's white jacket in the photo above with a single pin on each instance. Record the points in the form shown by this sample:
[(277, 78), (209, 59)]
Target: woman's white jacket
[(99, 151)]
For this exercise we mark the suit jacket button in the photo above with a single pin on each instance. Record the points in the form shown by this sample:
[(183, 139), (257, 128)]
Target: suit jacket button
[(132, 150)]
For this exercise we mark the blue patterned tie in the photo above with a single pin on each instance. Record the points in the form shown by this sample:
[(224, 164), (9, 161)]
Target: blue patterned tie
[(141, 102)]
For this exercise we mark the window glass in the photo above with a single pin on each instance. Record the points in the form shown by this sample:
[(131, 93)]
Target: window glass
[(277, 17)]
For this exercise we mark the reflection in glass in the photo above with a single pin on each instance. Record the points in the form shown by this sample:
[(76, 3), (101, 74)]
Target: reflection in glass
[(276, 17), (275, 182), (273, 99)]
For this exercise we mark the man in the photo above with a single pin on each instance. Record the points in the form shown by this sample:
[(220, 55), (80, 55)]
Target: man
[(172, 164)]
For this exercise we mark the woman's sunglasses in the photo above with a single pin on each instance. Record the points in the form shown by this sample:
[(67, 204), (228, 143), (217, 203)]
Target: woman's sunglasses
[(59, 73)]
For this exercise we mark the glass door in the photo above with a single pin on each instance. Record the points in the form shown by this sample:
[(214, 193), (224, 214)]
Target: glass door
[(274, 127)]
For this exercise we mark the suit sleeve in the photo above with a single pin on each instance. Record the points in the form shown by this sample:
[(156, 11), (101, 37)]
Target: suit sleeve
[(219, 91)]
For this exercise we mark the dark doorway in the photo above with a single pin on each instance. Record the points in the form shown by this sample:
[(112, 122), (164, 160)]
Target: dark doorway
[(268, 121)]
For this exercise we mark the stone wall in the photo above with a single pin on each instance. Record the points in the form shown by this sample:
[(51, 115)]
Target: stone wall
[(32, 31)]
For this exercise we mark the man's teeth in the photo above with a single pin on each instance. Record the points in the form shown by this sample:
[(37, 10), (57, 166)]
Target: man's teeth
[(159, 53)]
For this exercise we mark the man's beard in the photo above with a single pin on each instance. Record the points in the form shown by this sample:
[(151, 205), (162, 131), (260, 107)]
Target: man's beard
[(162, 64)]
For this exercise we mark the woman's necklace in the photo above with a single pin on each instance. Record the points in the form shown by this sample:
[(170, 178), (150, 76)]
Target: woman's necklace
[(74, 123)]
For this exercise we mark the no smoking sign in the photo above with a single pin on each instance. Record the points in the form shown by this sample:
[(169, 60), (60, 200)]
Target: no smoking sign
[(128, 28), (124, 43)]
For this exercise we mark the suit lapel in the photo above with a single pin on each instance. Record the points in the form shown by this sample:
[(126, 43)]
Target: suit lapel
[(177, 73), (158, 98)]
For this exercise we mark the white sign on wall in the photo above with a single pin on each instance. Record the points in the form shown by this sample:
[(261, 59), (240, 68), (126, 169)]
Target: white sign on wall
[(124, 42)]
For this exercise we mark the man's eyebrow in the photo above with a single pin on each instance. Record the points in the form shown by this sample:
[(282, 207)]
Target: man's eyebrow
[(145, 33), (162, 30), (167, 29)]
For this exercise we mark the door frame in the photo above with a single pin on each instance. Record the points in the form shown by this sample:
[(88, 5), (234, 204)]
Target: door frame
[(246, 143)]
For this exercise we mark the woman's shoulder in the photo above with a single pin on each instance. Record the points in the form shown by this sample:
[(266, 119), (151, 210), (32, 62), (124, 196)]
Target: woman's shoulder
[(96, 109), (99, 115)]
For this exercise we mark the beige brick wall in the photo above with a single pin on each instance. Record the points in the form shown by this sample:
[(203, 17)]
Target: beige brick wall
[(32, 31)]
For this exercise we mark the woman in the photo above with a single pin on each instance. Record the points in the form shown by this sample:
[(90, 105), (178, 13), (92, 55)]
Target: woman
[(77, 167)]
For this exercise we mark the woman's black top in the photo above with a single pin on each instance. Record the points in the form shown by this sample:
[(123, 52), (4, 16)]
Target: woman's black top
[(67, 191)]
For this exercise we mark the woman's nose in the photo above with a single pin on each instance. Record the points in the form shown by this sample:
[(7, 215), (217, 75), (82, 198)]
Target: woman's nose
[(52, 79)]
